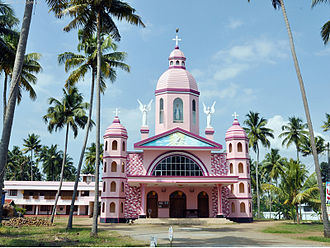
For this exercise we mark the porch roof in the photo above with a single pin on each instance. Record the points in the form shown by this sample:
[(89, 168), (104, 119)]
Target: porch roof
[(181, 180)]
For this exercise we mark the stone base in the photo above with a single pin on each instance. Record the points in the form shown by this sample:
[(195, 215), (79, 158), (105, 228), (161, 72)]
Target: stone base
[(113, 220), (240, 219), (143, 216), (220, 216)]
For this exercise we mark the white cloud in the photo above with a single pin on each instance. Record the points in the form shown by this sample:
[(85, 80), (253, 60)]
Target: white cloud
[(275, 123), (230, 71), (233, 24)]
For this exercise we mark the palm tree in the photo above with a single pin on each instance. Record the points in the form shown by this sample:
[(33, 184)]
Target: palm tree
[(306, 147), (32, 144), (326, 124), (257, 132), (68, 113), (84, 63), (293, 133), (56, 6), (88, 169), (326, 224), (325, 31), (51, 160), (97, 16), (90, 155)]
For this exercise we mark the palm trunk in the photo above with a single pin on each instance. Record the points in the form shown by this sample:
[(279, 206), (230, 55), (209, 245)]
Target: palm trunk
[(257, 182), (310, 126), (31, 165), (8, 122), (328, 153), (270, 199), (69, 226), (5, 84), (98, 112), (62, 173), (297, 153)]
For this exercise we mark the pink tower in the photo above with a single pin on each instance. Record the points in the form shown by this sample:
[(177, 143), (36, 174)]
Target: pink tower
[(114, 173), (240, 198), (177, 97)]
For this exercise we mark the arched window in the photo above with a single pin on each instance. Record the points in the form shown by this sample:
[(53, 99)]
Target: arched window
[(106, 146), (112, 207), (231, 168), (242, 207), (177, 165), (177, 62), (113, 166), (249, 188), (239, 147), (250, 209), (105, 167), (171, 62), (114, 145), (194, 111), (122, 207), (104, 186), (122, 187), (233, 207), (232, 189), (113, 187), (241, 188), (247, 148), (240, 168), (183, 64), (124, 146), (177, 110), (103, 207), (161, 110), (123, 167), (230, 147)]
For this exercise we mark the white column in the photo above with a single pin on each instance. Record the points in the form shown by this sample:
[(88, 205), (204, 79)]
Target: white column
[(142, 213), (78, 211), (220, 214), (37, 209)]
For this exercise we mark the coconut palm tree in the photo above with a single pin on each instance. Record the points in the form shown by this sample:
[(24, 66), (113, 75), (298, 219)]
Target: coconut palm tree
[(84, 63), (257, 132), (325, 31), (280, 4), (293, 133), (51, 160), (56, 6), (69, 112), (96, 16), (90, 154), (306, 148), (326, 124), (32, 144)]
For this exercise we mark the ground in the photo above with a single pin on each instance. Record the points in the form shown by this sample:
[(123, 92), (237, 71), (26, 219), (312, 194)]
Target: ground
[(259, 233)]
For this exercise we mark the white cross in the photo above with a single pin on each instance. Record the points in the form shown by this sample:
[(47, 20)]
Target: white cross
[(176, 40), (116, 112), (235, 115)]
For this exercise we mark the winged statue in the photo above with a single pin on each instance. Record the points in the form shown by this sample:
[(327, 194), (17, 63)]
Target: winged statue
[(144, 108), (209, 111)]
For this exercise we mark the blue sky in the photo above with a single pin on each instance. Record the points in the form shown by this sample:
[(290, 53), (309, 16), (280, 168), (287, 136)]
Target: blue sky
[(237, 51)]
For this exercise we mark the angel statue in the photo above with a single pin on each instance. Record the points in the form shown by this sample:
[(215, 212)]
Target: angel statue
[(144, 108), (209, 111)]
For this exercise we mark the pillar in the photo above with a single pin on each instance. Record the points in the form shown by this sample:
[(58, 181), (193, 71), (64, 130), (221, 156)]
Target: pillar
[(220, 214), (144, 133), (143, 212), (37, 209), (78, 210)]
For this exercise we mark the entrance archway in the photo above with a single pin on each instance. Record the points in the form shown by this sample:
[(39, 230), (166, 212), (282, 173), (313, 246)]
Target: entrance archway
[(152, 204), (177, 204), (203, 205)]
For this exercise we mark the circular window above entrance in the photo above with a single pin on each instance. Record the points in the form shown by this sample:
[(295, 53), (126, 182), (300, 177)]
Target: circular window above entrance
[(177, 165)]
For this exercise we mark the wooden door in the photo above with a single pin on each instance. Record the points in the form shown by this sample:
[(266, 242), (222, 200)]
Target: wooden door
[(177, 205), (203, 205), (152, 205)]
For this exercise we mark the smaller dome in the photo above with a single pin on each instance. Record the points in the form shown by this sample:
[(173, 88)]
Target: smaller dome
[(177, 53), (236, 131), (116, 129)]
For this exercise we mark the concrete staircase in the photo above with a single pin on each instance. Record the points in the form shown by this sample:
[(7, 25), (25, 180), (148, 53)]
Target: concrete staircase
[(183, 221)]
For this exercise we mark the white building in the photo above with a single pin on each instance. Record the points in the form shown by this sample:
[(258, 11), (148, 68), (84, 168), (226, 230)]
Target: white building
[(38, 197)]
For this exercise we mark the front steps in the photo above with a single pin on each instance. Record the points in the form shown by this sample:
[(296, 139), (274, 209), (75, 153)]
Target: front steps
[(183, 221)]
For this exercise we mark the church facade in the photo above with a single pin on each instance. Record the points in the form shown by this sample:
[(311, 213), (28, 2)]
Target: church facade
[(176, 173)]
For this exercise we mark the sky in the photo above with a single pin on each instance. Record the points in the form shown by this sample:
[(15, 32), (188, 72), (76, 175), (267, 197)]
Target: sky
[(237, 51)]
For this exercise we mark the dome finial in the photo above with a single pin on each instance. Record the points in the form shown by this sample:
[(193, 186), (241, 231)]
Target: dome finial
[(235, 115), (176, 39), (116, 112)]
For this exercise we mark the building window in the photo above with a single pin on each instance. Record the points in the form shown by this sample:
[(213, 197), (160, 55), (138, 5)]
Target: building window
[(177, 62), (233, 207), (249, 188), (230, 147), (85, 193), (106, 146), (177, 166), (247, 148), (240, 168), (103, 207), (114, 145), (171, 62), (242, 207), (113, 187), (239, 147), (122, 187), (241, 188), (182, 63), (123, 167), (105, 167), (113, 166), (112, 207), (124, 146), (13, 192), (231, 168), (161, 110), (178, 110), (104, 186), (194, 111), (250, 209), (122, 207), (232, 189)]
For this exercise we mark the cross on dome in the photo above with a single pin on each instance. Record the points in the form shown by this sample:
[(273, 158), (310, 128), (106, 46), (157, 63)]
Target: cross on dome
[(235, 115), (116, 112), (176, 39)]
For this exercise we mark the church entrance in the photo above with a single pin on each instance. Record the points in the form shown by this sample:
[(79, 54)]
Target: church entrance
[(152, 204), (177, 204), (203, 205)]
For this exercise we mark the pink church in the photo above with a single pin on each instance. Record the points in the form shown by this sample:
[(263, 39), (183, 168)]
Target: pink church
[(176, 173)]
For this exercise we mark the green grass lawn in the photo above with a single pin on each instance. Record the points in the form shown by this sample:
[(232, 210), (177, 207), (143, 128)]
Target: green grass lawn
[(57, 236), (294, 228)]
